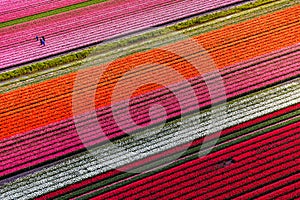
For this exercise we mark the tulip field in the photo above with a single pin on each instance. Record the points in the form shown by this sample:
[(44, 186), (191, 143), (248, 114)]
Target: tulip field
[(150, 100)]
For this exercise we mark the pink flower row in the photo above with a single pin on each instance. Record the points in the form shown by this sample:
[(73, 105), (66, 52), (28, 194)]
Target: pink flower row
[(14, 10)]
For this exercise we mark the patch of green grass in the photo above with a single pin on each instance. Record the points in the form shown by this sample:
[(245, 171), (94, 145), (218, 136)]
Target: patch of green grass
[(209, 17), (45, 65), (49, 13)]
